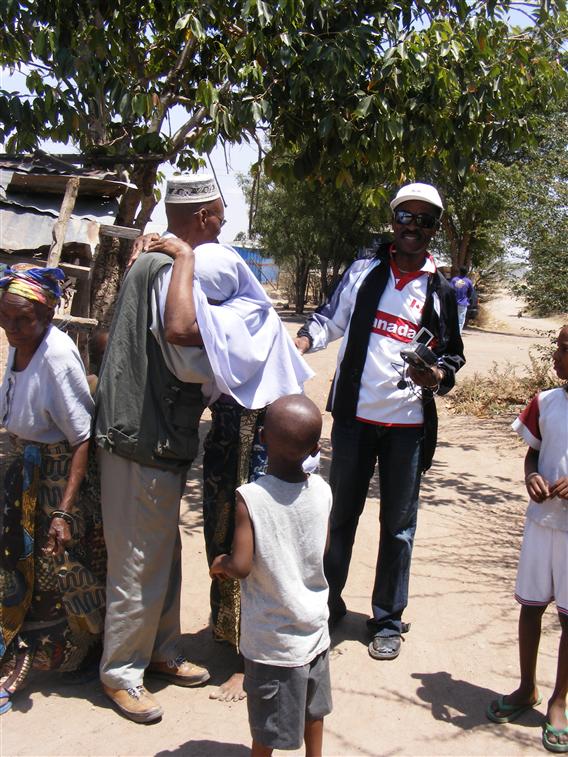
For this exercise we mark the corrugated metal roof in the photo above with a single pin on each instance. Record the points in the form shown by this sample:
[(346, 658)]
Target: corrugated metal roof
[(31, 192)]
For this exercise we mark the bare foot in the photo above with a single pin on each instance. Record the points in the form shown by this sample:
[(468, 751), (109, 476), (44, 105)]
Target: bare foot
[(231, 691)]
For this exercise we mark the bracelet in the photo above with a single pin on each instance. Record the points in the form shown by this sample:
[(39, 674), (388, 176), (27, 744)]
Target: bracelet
[(67, 517), (531, 475)]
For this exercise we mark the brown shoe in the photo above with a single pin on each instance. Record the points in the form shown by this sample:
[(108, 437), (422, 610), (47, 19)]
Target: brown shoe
[(136, 703), (179, 671)]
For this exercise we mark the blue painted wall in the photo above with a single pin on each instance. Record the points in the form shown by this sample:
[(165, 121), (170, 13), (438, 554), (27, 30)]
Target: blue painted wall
[(265, 269)]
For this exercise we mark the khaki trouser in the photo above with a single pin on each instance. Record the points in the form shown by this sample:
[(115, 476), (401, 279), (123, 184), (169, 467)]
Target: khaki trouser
[(140, 507)]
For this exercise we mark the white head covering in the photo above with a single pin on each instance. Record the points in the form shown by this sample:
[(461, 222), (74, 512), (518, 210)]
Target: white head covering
[(191, 188)]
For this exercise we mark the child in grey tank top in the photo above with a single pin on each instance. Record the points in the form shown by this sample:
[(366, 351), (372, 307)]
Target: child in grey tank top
[(281, 529)]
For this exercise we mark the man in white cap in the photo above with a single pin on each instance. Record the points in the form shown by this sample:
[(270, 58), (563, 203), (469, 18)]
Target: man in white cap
[(206, 334), (382, 405)]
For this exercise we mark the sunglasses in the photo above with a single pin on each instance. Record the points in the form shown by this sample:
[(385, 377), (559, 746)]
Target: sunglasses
[(422, 220)]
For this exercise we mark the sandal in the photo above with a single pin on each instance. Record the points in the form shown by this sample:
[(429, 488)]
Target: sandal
[(554, 746), (512, 711), (385, 647)]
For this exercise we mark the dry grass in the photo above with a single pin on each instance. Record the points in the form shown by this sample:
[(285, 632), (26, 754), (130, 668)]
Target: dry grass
[(504, 390)]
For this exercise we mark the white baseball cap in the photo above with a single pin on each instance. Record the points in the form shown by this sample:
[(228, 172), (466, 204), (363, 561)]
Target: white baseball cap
[(191, 188), (424, 192)]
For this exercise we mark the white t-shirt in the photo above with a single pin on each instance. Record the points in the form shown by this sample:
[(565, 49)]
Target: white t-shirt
[(543, 425), (284, 598), (48, 401)]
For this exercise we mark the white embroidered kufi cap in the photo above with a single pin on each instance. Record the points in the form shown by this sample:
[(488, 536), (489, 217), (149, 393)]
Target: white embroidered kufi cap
[(192, 188)]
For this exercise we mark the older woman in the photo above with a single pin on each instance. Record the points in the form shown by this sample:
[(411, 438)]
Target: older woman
[(51, 547)]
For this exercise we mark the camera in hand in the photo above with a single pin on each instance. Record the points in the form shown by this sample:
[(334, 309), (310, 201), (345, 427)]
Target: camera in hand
[(419, 356)]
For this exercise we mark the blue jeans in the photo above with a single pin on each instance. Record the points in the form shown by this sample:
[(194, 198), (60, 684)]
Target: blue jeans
[(356, 448), (462, 315)]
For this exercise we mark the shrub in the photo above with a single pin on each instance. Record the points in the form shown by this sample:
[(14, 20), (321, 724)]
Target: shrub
[(506, 389)]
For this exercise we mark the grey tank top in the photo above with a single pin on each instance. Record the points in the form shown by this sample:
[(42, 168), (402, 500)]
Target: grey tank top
[(284, 598)]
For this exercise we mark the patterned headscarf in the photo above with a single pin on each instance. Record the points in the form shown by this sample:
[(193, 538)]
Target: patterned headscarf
[(35, 284)]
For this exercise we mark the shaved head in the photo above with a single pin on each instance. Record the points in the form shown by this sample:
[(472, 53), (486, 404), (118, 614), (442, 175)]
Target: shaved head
[(293, 426)]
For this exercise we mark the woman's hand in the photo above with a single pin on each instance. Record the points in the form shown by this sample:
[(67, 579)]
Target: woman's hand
[(58, 537)]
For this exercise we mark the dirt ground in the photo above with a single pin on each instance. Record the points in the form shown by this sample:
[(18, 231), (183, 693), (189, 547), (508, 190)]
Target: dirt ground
[(461, 650)]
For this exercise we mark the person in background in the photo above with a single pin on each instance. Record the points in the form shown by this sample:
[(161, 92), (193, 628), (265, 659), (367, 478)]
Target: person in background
[(383, 408), (465, 294), (277, 553), (52, 558), (543, 564)]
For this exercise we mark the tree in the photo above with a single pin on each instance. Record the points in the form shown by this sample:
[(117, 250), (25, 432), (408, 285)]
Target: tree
[(389, 89), (305, 226), (441, 104), (536, 220)]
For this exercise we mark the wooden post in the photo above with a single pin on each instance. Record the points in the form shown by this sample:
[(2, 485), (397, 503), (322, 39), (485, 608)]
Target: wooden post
[(60, 226)]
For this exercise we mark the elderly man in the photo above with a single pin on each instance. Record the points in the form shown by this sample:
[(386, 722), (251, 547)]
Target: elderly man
[(383, 407), (205, 333)]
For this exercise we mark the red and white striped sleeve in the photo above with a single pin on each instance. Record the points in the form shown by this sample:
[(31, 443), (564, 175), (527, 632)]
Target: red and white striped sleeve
[(527, 424)]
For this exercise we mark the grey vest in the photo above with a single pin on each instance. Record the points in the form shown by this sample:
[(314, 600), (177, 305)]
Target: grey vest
[(143, 412)]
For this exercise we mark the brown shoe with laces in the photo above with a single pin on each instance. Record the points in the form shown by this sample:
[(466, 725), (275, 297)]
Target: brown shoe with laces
[(136, 703), (180, 671)]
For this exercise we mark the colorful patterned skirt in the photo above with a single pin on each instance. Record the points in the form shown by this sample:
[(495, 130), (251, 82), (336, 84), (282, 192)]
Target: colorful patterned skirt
[(233, 455), (51, 608)]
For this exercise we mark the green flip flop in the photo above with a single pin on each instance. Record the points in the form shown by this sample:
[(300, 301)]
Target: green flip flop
[(511, 711), (554, 746)]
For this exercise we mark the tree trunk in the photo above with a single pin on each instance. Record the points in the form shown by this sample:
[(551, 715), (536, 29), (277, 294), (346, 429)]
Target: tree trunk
[(301, 283), (324, 285), (135, 209), (459, 245)]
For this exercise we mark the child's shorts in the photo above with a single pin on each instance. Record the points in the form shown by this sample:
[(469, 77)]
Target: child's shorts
[(281, 700), (543, 573)]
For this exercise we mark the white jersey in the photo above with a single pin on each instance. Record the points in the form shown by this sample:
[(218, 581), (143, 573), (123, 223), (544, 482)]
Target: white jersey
[(543, 425), (381, 399)]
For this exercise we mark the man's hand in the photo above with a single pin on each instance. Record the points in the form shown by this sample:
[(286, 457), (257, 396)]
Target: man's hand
[(172, 246), (560, 488), (217, 569), (302, 344), (58, 537), (140, 245), (538, 487), (426, 377)]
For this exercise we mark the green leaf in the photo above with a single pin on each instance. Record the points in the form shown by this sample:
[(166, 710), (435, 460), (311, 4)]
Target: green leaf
[(182, 22), (364, 106), (139, 104)]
